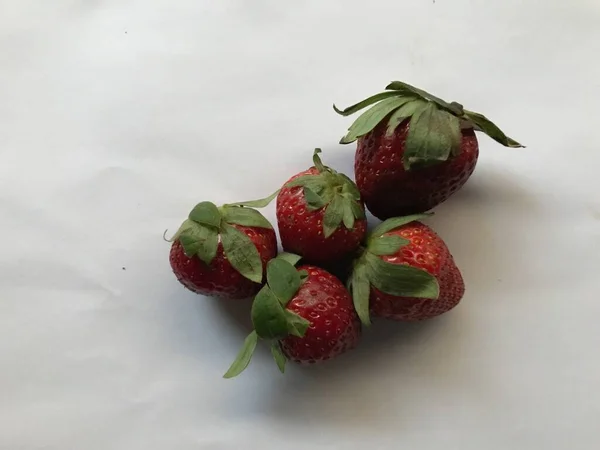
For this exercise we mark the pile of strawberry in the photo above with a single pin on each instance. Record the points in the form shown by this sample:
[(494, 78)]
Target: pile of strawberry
[(414, 151)]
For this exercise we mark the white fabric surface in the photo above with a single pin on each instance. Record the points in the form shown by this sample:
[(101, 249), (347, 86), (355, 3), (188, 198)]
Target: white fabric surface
[(117, 116)]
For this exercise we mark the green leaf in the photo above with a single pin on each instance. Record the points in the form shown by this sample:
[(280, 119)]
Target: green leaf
[(455, 133), (283, 279), (404, 112), (261, 203), (386, 245), (247, 217), (268, 316), (317, 161), (313, 200), (371, 117), (333, 215), (489, 128), (206, 213), (244, 356), (297, 325), (348, 217), (400, 86), (396, 222), (289, 257), (401, 279), (429, 139), (278, 356), (349, 186), (357, 210), (241, 253), (187, 223), (200, 240), (361, 291), (363, 104), (307, 180)]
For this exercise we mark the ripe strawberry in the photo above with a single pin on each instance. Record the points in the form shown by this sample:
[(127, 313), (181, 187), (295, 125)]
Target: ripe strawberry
[(406, 273), (414, 150), (320, 214), (305, 313), (222, 252)]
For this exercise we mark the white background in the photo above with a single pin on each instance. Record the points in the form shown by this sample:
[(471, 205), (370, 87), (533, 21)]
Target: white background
[(117, 116)]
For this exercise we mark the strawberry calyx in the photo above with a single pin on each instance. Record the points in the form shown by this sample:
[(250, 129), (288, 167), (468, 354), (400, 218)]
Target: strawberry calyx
[(207, 224), (333, 191), (272, 321), (434, 133), (400, 280)]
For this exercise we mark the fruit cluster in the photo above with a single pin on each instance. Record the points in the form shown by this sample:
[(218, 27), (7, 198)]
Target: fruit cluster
[(414, 151)]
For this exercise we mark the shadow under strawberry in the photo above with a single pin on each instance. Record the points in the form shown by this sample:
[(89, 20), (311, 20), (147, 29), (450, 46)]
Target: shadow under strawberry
[(329, 391), (476, 224)]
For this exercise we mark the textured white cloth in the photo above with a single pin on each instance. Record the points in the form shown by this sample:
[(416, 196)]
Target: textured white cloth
[(117, 116)]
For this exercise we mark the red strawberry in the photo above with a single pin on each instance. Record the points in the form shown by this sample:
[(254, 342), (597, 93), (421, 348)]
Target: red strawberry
[(406, 273), (414, 150), (222, 252), (320, 214), (334, 326), (306, 314)]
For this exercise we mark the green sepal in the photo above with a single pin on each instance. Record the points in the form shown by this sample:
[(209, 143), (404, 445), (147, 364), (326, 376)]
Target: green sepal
[(241, 253), (283, 279), (197, 240), (360, 288), (334, 213), (453, 124), (244, 356), (271, 320), (367, 102), (261, 203), (313, 181), (406, 88), (199, 236), (404, 112), (333, 191), (386, 245), (313, 200), (268, 315), (297, 325), (358, 210), (317, 161), (435, 128), (289, 257), (206, 213), (396, 222), (401, 279), (482, 123), (278, 356), (350, 188), (245, 216), (370, 118), (431, 137), (348, 215)]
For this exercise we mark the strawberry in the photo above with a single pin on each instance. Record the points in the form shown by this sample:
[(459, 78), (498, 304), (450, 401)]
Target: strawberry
[(320, 214), (222, 252), (306, 313), (405, 273), (414, 150)]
